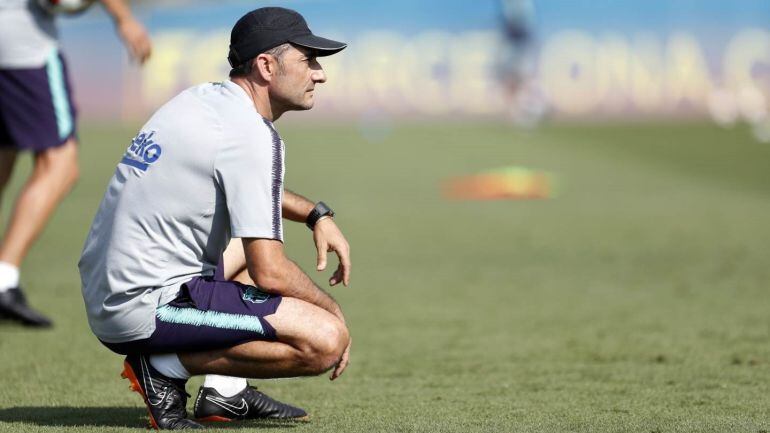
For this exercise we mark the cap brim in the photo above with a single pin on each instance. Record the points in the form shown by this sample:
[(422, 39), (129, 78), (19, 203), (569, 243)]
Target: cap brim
[(322, 46)]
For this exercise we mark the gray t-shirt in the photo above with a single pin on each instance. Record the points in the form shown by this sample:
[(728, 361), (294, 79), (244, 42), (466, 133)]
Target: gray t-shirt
[(206, 167), (27, 34)]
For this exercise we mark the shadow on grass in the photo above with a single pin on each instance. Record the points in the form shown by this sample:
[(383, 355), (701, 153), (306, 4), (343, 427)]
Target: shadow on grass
[(67, 416), (76, 416)]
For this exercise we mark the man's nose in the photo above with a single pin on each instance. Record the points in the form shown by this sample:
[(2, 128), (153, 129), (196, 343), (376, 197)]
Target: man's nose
[(319, 76)]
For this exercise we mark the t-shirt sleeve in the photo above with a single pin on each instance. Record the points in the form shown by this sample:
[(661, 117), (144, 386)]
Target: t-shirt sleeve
[(249, 170)]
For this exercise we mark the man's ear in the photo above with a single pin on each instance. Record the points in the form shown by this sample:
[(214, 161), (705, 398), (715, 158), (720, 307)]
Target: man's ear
[(265, 66)]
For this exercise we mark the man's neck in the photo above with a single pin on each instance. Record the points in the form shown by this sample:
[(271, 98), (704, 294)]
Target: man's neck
[(260, 97)]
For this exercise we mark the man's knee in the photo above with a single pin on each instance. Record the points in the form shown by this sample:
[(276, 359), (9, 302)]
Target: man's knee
[(331, 340)]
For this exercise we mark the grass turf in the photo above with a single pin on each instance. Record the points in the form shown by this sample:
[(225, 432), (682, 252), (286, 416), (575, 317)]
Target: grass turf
[(636, 300)]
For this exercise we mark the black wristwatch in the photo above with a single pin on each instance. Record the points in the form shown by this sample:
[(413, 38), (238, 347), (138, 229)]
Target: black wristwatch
[(320, 210)]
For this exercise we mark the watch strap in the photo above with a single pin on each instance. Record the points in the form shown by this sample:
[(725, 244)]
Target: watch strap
[(319, 210)]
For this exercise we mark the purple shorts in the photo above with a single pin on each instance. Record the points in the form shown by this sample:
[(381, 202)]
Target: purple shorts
[(209, 313), (36, 109)]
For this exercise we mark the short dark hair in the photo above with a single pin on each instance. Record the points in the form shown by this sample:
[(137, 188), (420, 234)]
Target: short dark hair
[(246, 67)]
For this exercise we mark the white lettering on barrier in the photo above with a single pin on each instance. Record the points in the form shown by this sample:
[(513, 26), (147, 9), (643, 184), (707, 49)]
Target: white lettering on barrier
[(688, 79), (613, 77), (435, 72), (427, 77), (568, 71)]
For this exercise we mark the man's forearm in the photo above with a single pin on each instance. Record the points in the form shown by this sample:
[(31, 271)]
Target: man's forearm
[(289, 280), (295, 207), (300, 286)]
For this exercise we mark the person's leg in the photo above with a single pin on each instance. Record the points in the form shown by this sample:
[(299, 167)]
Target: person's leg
[(9, 274), (233, 269), (310, 341), (54, 173), (268, 337), (234, 262), (55, 170), (7, 162), (219, 396), (37, 115)]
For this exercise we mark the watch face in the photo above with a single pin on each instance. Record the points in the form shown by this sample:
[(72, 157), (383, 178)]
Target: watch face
[(322, 209)]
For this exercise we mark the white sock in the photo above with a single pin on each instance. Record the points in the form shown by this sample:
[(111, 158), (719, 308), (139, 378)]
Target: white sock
[(227, 386), (169, 366), (9, 276)]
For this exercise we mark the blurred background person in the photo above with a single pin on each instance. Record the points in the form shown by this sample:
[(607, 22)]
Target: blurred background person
[(516, 64), (37, 114)]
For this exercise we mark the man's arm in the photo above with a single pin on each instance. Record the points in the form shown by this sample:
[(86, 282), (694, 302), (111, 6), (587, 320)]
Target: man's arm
[(274, 273), (132, 33), (326, 235), (295, 207)]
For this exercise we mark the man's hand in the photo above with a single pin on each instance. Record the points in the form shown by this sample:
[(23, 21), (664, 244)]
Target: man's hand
[(344, 361), (135, 39), (328, 237)]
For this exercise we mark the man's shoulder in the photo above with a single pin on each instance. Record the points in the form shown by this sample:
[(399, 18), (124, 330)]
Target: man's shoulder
[(240, 119), (192, 109), (219, 108), (186, 100)]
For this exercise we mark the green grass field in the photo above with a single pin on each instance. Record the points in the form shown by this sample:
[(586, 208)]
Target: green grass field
[(635, 301)]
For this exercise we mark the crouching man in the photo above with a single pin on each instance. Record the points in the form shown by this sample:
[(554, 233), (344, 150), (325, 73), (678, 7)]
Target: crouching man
[(184, 270)]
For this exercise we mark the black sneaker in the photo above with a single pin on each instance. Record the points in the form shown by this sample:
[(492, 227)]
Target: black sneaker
[(165, 398), (247, 404), (13, 306)]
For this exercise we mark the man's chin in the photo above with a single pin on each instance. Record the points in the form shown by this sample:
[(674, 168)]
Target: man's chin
[(298, 107), (309, 102)]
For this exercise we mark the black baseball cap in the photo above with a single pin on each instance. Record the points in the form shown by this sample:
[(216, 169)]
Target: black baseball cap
[(266, 28)]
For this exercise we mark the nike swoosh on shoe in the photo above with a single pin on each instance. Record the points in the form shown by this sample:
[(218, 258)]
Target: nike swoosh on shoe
[(240, 410)]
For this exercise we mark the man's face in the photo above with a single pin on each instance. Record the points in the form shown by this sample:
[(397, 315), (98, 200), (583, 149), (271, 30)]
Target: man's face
[(298, 73)]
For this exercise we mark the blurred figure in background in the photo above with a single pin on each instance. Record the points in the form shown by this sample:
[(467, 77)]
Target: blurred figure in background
[(516, 67), (37, 114)]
